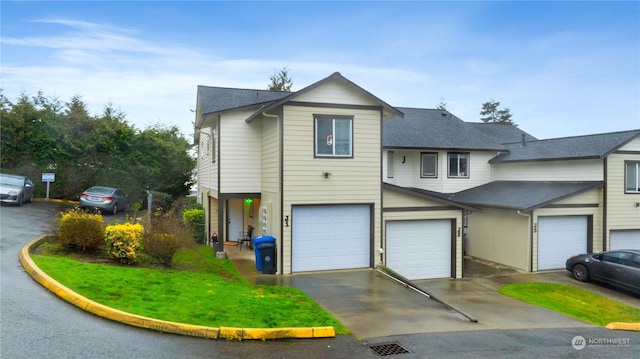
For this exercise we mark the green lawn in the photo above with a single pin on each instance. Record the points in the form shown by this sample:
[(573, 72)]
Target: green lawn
[(573, 302), (203, 290)]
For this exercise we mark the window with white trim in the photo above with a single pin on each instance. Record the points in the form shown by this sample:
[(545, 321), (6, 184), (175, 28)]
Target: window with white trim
[(429, 165), (458, 165), (390, 164), (333, 136), (632, 177)]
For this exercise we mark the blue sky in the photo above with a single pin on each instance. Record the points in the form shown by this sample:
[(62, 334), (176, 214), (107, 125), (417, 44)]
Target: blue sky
[(563, 68)]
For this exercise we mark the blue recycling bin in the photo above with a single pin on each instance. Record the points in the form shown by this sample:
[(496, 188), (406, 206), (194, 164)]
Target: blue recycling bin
[(257, 242)]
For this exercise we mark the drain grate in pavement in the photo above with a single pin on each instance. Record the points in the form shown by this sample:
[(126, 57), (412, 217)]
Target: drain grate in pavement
[(385, 349)]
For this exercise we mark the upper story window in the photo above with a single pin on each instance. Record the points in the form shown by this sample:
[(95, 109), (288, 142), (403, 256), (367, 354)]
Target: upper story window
[(429, 165), (458, 165), (390, 164), (334, 136), (632, 177)]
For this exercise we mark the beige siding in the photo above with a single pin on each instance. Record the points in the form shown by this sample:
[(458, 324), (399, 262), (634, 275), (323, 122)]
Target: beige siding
[(408, 174), (240, 153), (590, 198), (631, 146), (270, 155), (352, 180), (622, 212), (569, 170), (211, 212), (206, 166), (335, 92), (394, 199), (500, 236)]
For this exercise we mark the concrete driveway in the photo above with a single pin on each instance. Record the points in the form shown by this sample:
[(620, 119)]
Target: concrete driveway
[(372, 305)]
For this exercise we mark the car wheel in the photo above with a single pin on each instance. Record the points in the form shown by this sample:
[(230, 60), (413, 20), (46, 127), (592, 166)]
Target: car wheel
[(115, 209), (31, 198), (19, 202), (580, 272)]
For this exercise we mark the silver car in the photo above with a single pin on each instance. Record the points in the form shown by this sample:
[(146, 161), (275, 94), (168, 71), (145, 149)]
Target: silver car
[(620, 268), (15, 189), (105, 199)]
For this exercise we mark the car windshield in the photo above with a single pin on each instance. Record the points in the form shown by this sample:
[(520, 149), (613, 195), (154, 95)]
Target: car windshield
[(11, 181)]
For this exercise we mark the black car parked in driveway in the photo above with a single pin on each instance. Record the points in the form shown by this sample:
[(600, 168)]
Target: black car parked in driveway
[(620, 268)]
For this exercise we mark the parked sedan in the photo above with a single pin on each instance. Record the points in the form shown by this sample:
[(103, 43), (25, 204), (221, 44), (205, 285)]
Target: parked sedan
[(620, 268), (15, 189), (105, 199)]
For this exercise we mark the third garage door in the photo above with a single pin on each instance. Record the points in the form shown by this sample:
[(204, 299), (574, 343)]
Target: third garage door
[(419, 249), (559, 238)]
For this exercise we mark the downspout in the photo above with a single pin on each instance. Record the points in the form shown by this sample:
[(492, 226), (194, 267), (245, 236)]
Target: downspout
[(280, 255), (530, 238)]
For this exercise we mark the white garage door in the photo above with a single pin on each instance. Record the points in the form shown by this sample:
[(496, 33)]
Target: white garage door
[(559, 238), (331, 237), (419, 249), (625, 239)]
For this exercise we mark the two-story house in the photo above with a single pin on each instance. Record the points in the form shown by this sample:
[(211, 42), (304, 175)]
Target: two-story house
[(303, 167), (343, 180)]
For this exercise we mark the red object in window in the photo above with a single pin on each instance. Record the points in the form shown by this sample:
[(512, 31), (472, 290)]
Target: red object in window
[(329, 140)]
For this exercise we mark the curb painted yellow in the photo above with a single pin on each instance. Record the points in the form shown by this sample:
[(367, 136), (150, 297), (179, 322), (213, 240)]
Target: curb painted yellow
[(624, 326), (160, 325)]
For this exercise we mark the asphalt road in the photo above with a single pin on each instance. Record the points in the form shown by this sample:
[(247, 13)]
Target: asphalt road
[(34, 323)]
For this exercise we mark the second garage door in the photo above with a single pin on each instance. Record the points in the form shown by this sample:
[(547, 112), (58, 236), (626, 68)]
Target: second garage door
[(559, 238), (419, 249), (331, 237), (629, 239)]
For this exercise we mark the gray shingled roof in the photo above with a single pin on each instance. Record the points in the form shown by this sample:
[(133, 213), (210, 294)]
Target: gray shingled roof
[(220, 99), (503, 133), (578, 147), (521, 195), (437, 129)]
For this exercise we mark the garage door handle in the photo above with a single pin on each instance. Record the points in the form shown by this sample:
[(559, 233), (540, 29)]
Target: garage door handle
[(620, 270)]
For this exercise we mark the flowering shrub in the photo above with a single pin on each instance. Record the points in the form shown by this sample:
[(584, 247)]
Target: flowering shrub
[(79, 230), (124, 241)]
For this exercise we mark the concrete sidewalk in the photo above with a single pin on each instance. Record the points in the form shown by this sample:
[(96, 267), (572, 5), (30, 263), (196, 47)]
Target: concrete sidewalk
[(372, 305)]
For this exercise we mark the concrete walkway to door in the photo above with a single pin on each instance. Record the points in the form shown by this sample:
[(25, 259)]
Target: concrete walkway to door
[(372, 305)]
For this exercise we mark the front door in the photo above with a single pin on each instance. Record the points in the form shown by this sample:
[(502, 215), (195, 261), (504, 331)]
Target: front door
[(234, 219)]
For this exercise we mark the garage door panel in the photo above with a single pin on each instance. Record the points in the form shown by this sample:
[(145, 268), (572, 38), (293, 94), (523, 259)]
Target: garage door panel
[(559, 238), (331, 237), (419, 249), (624, 239)]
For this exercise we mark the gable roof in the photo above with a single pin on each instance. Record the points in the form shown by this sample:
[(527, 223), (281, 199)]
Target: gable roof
[(435, 129), (521, 195), (565, 148), (220, 99), (336, 76)]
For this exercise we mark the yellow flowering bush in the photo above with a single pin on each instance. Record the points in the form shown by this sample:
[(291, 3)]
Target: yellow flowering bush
[(79, 230), (124, 241)]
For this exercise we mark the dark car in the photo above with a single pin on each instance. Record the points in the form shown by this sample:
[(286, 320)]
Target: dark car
[(620, 268), (105, 199), (15, 189)]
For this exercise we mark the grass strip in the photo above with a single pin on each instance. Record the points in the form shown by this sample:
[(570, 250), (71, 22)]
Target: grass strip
[(573, 301), (203, 290)]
